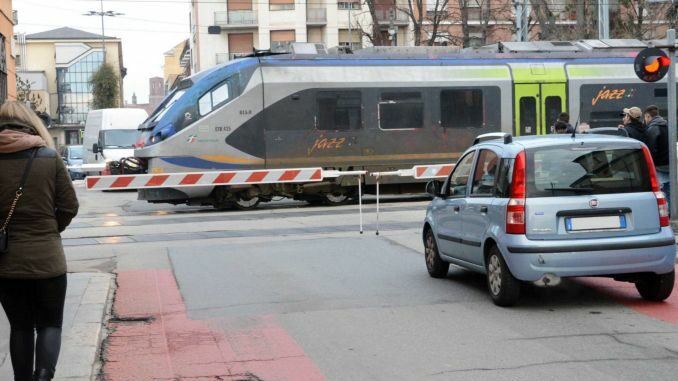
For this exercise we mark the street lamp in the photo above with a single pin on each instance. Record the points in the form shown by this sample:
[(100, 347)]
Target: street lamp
[(102, 14)]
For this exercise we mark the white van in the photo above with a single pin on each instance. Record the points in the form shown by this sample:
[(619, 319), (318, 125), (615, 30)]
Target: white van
[(110, 135)]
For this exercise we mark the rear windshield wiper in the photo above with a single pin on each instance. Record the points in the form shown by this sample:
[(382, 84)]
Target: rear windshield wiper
[(574, 190)]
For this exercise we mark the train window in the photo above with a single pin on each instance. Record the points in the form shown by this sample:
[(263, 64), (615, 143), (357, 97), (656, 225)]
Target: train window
[(214, 98), (205, 104), (461, 108), (401, 110), (339, 110), (528, 116), (553, 107)]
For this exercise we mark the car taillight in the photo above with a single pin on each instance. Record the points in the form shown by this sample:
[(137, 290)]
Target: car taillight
[(515, 210), (662, 205)]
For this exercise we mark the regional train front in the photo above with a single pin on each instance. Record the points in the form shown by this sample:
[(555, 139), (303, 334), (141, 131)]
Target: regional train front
[(189, 130)]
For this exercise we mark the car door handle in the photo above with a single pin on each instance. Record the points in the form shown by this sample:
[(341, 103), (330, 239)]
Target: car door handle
[(456, 209), (483, 209)]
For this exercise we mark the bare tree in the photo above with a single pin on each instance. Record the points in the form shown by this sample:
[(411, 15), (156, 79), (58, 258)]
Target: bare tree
[(373, 31), (430, 13), (641, 19)]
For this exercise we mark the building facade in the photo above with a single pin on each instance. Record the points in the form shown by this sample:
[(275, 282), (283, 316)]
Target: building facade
[(222, 30), (67, 58), (177, 65), (8, 18)]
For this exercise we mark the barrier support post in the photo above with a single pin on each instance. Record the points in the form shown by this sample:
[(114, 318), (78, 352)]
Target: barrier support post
[(377, 176), (360, 201)]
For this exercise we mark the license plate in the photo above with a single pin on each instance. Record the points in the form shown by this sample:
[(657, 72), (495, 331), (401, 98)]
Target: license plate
[(595, 223)]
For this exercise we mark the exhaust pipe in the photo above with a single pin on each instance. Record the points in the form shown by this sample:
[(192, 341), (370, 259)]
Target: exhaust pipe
[(548, 280)]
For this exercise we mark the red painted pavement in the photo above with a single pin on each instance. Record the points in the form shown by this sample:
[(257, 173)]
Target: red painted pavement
[(173, 347), (626, 294)]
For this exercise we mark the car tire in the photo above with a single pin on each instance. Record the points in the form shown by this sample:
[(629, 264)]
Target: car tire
[(437, 268), (656, 287), (504, 288)]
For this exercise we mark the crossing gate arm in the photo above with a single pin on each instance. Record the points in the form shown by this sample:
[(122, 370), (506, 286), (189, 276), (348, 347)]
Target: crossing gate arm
[(197, 179), (435, 171)]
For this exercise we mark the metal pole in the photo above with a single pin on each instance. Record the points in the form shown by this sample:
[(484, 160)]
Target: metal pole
[(377, 204), (673, 133), (603, 19), (350, 33), (103, 39), (519, 20), (360, 201), (526, 21)]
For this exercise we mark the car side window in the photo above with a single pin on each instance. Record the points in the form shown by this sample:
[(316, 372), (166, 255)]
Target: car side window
[(460, 176), (485, 174)]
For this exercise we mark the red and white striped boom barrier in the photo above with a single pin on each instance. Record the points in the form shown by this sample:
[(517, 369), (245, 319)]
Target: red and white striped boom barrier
[(198, 179), (433, 171)]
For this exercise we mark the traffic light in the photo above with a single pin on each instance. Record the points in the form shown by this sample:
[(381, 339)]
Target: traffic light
[(651, 64)]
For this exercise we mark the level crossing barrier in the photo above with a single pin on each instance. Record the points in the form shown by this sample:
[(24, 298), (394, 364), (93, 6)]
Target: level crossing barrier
[(252, 177), (434, 171)]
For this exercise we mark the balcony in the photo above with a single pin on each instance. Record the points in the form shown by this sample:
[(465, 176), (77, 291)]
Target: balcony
[(316, 16), (399, 17), (236, 19)]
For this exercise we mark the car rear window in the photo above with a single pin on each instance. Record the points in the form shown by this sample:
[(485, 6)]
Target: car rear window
[(586, 169)]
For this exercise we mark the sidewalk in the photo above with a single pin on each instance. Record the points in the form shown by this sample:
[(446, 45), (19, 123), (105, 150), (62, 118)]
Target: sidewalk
[(86, 300)]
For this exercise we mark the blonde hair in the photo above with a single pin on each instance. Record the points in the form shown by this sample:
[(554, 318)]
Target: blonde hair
[(17, 111)]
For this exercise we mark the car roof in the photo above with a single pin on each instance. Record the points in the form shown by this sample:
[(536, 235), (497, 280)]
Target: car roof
[(540, 141)]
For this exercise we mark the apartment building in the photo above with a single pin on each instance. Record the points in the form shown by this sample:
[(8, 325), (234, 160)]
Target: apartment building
[(8, 18), (59, 64), (222, 30), (177, 65)]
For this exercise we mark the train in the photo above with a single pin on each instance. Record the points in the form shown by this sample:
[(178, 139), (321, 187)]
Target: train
[(375, 111)]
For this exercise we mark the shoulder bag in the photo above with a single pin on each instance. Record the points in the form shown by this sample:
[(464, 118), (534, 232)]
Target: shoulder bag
[(4, 232)]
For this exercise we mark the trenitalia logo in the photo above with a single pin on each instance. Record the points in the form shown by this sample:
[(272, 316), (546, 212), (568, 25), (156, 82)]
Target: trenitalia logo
[(606, 94)]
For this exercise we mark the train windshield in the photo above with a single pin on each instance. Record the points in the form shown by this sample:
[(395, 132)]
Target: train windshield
[(160, 111), (120, 138)]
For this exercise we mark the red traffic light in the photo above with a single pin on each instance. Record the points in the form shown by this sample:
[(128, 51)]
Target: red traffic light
[(654, 64), (651, 64)]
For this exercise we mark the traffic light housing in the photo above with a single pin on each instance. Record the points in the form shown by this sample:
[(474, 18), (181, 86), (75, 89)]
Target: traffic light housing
[(651, 64)]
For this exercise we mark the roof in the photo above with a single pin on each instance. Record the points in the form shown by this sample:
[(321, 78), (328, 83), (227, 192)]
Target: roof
[(66, 33)]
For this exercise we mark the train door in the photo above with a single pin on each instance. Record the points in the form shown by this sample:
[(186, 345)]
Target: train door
[(537, 106)]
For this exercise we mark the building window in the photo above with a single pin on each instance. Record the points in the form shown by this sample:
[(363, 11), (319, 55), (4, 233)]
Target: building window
[(74, 89), (348, 5), (281, 40), (401, 110), (281, 5), (351, 40), (339, 110)]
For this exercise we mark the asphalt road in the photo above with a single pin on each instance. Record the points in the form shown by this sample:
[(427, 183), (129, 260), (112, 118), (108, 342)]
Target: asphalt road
[(291, 292)]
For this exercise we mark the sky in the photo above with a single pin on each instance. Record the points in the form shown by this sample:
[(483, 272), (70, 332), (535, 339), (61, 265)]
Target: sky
[(148, 29)]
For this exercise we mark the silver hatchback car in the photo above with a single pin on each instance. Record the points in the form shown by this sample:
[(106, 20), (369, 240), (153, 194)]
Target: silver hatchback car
[(537, 209)]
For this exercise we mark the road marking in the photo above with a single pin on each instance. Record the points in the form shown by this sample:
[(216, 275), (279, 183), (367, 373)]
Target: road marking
[(171, 346), (626, 294)]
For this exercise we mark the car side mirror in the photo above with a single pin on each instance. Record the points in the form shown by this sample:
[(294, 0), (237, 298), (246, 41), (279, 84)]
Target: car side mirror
[(95, 148), (434, 188)]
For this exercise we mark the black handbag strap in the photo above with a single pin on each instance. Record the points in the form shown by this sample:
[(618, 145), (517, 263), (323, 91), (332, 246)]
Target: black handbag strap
[(28, 169)]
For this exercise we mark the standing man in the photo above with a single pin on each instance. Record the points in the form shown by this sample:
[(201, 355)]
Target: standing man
[(633, 125), (658, 143)]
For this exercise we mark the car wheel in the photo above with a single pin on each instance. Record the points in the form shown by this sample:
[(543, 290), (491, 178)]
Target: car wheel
[(656, 287), (503, 286), (437, 268)]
